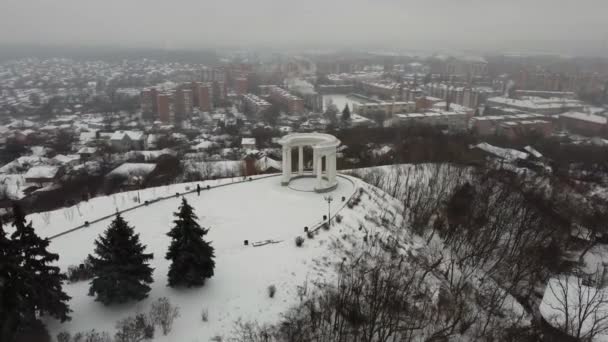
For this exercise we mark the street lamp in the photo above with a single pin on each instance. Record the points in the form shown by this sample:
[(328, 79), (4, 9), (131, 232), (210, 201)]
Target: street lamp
[(329, 199)]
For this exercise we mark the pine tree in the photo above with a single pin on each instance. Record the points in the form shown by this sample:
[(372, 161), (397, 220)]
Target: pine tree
[(191, 256), (9, 314), (30, 286), (120, 268), (346, 113)]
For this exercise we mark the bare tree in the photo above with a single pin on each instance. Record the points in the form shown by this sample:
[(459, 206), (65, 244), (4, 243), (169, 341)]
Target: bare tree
[(580, 310)]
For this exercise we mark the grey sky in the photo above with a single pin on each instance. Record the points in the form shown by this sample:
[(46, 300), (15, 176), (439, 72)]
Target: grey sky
[(394, 23)]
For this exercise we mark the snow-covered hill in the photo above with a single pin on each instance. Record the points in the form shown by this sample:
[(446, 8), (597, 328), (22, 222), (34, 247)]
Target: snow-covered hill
[(258, 210)]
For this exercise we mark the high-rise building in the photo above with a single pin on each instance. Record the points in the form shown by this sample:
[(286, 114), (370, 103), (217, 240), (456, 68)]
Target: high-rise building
[(148, 101), (240, 85), (183, 102), (204, 94), (164, 106), (219, 92)]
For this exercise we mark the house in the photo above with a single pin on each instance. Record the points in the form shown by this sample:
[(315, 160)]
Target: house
[(43, 174), (248, 143), (68, 160), (86, 153), (127, 140)]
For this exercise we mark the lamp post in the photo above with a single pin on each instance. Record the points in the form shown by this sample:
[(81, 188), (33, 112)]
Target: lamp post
[(329, 199)]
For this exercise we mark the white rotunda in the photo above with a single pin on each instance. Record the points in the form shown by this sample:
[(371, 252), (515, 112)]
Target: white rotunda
[(324, 148)]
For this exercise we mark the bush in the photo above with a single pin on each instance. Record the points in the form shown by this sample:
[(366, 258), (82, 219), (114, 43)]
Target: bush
[(33, 332), (271, 291), (299, 241), (163, 313), (64, 336), (134, 329), (81, 272), (338, 218), (205, 315), (326, 226), (310, 234)]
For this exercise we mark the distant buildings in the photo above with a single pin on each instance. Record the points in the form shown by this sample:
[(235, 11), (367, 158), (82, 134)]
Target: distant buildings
[(453, 121), (204, 93), (532, 104), (163, 105), (387, 108), (240, 85), (127, 140), (275, 94), (584, 124), (467, 96), (184, 102), (253, 104), (493, 124)]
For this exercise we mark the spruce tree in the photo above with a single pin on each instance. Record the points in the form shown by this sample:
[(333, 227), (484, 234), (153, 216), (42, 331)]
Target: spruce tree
[(30, 286), (120, 268), (346, 113), (191, 256), (9, 313)]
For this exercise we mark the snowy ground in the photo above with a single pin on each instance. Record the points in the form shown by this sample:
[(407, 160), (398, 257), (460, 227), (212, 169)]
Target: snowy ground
[(340, 101), (256, 210)]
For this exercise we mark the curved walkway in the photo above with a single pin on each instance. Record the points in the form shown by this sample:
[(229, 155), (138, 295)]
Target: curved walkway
[(206, 188)]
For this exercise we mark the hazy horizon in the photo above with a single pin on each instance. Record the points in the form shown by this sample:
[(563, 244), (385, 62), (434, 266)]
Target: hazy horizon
[(555, 26)]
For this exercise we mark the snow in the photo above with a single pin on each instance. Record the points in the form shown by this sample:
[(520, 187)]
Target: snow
[(133, 135), (42, 172), (504, 153), (254, 210), (340, 101), (586, 117), (567, 289), (533, 151), (66, 159), (133, 169)]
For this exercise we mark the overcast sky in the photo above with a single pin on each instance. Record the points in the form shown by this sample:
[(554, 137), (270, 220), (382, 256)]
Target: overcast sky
[(424, 24)]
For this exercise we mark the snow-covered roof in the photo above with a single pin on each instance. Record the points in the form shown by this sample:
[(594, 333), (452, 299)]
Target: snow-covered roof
[(504, 153), (265, 163), (63, 159), (248, 141), (133, 169), (45, 171), (586, 117), (533, 151), (133, 135), (203, 145), (87, 150)]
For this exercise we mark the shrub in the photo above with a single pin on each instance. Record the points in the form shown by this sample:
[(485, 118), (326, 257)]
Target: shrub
[(271, 291), (163, 313), (326, 226), (205, 315), (64, 336), (310, 234), (299, 241), (94, 336), (338, 218), (134, 329), (33, 332), (81, 272), (217, 338)]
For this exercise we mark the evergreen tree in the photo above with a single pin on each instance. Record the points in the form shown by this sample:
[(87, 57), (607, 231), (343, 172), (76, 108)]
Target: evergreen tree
[(29, 285), (120, 268), (191, 256), (9, 314), (346, 113)]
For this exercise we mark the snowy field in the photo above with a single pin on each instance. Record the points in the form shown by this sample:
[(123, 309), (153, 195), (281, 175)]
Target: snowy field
[(257, 210), (340, 101)]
